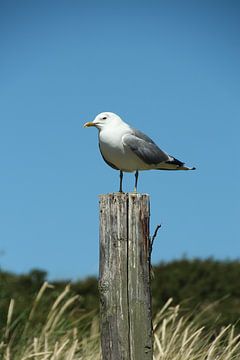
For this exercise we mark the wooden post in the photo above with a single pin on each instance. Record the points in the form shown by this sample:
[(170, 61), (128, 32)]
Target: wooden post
[(124, 282)]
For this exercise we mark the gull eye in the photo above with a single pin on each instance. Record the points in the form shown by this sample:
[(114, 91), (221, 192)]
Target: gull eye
[(104, 118)]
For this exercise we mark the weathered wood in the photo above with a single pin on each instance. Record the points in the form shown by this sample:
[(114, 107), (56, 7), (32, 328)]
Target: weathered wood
[(139, 278), (124, 281), (113, 274)]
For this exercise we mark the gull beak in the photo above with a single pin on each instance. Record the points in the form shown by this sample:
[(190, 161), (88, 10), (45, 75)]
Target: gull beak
[(88, 124)]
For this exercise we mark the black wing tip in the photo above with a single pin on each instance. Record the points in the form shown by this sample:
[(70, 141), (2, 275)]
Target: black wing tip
[(179, 163), (175, 161)]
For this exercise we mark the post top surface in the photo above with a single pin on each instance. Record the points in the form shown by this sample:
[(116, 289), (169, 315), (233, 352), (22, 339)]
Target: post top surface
[(123, 195)]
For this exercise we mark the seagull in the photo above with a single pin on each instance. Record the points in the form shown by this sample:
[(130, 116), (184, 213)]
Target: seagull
[(129, 150)]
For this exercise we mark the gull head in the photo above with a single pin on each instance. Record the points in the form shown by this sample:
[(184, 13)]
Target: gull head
[(104, 119)]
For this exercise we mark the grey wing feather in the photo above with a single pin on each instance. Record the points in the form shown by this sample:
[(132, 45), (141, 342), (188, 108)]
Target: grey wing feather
[(142, 136), (145, 148)]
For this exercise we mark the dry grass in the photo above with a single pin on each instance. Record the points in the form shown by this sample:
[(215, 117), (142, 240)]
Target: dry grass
[(175, 337)]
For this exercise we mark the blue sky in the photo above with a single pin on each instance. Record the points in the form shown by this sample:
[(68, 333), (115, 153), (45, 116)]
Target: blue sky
[(169, 68)]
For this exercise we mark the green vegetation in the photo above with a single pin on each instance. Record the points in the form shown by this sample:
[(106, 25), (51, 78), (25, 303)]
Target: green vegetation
[(209, 285), (61, 321), (64, 336)]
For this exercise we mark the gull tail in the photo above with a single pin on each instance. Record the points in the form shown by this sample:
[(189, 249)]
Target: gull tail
[(174, 164)]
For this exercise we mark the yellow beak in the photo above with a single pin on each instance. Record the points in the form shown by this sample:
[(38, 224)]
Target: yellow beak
[(87, 124)]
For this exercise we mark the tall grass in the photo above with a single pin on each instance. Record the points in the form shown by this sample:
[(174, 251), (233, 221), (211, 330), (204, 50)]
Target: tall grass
[(61, 336)]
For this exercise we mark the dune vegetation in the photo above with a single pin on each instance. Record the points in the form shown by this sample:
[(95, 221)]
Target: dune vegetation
[(65, 332)]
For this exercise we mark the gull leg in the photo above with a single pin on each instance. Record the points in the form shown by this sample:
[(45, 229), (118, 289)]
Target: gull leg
[(121, 178), (136, 181)]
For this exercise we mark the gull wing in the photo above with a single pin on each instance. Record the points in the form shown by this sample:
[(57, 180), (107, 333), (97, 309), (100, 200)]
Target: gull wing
[(145, 148)]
